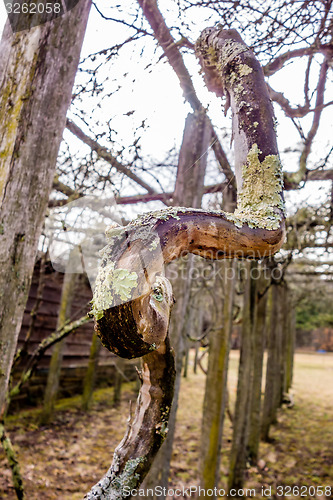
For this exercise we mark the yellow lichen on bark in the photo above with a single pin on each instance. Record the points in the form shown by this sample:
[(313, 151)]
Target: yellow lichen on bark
[(260, 202), (113, 286)]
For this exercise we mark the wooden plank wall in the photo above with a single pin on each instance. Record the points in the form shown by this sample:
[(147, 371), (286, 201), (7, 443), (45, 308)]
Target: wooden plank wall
[(77, 345)]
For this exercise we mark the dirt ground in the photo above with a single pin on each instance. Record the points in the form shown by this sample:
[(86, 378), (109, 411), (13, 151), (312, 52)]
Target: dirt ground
[(63, 460)]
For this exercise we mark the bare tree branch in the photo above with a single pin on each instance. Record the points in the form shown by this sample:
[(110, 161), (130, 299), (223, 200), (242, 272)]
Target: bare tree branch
[(278, 63), (174, 56), (42, 347), (319, 175), (306, 82), (297, 112), (63, 188), (106, 155), (316, 116), (144, 198), (171, 50), (289, 184)]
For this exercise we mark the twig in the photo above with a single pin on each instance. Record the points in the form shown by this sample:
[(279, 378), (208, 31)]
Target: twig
[(12, 461), (40, 350)]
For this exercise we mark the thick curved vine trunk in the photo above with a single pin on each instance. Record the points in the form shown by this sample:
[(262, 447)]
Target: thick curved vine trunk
[(132, 300), (146, 433)]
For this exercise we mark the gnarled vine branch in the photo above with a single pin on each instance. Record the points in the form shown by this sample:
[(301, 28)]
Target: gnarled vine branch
[(132, 299)]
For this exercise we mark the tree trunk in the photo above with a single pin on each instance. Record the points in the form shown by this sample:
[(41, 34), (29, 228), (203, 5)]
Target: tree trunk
[(278, 385), (258, 358), (53, 376), (196, 353), (37, 70), (192, 161), (273, 368), (199, 319), (288, 339), (241, 423), (216, 381), (186, 358), (147, 431), (22, 353), (188, 192), (90, 376), (285, 320), (290, 344), (216, 397)]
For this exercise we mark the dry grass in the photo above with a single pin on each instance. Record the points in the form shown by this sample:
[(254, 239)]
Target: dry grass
[(301, 452), (63, 460)]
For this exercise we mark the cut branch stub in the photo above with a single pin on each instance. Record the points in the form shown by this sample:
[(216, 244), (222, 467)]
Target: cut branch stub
[(132, 300), (140, 326)]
